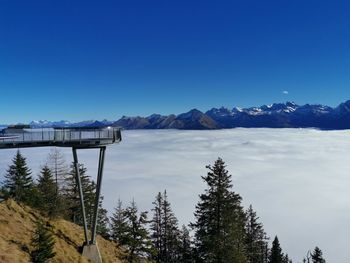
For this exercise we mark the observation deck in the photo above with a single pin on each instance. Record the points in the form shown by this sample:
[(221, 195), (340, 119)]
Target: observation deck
[(77, 137), (21, 136)]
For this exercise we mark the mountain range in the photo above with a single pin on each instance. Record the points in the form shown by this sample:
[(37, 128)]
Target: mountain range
[(277, 115)]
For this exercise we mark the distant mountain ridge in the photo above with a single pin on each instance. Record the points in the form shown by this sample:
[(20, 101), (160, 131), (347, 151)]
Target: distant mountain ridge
[(64, 123), (277, 115)]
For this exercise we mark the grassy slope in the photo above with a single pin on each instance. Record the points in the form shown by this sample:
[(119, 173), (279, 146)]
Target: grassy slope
[(17, 224)]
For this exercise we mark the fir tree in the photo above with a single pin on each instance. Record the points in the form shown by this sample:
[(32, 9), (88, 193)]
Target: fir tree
[(119, 225), (185, 249), (220, 220), (156, 227), (18, 180), (316, 256), (71, 194), (43, 243), (171, 232), (276, 255), (103, 222), (165, 233), (137, 242), (47, 193), (286, 259), (256, 240), (71, 197)]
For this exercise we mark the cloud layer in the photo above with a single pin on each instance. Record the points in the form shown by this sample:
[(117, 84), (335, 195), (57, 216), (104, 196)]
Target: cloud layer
[(296, 179)]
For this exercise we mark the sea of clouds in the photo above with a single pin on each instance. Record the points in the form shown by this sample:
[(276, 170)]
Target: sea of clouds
[(296, 179)]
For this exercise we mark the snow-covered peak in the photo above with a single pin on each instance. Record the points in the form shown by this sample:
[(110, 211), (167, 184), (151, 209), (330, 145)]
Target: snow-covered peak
[(222, 112)]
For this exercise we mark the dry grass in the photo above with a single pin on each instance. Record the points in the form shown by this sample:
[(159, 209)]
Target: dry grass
[(17, 224)]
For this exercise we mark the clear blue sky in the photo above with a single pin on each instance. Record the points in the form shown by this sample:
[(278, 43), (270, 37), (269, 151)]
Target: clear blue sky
[(79, 60)]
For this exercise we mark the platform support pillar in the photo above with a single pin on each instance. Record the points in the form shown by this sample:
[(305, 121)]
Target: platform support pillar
[(98, 193), (90, 248), (81, 195)]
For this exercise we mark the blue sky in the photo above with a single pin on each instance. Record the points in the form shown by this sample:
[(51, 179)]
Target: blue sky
[(79, 60)]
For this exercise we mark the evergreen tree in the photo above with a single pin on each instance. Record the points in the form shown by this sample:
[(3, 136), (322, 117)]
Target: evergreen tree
[(185, 250), (47, 193), (18, 180), (156, 227), (137, 242), (103, 222), (72, 199), (171, 232), (220, 220), (71, 194), (276, 255), (286, 259), (165, 233), (316, 256), (119, 225), (256, 240), (43, 243), (89, 199)]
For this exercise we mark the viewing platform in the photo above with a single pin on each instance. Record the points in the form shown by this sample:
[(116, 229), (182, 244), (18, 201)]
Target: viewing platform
[(21, 136)]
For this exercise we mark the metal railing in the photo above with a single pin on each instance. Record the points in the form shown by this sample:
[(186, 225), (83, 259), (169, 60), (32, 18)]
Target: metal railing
[(61, 135)]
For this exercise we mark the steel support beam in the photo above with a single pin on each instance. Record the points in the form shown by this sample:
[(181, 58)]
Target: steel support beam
[(90, 249), (98, 193), (81, 195)]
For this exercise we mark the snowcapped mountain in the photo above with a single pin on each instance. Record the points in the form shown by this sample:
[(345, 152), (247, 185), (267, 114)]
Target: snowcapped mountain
[(48, 124), (276, 115), (63, 123)]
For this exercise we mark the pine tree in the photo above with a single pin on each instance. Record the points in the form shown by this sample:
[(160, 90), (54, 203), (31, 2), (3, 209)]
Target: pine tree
[(71, 195), (256, 240), (276, 255), (103, 222), (316, 256), (18, 180), (137, 242), (286, 259), (119, 225), (220, 220), (156, 227), (43, 243), (171, 232), (185, 250), (72, 199), (47, 193), (165, 233), (89, 199)]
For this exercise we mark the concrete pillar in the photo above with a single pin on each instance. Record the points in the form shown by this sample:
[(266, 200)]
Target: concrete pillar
[(92, 253)]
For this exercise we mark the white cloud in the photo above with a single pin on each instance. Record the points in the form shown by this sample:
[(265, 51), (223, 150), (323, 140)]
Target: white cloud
[(285, 92), (297, 180)]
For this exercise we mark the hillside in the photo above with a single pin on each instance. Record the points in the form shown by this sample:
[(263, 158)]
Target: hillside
[(17, 224)]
